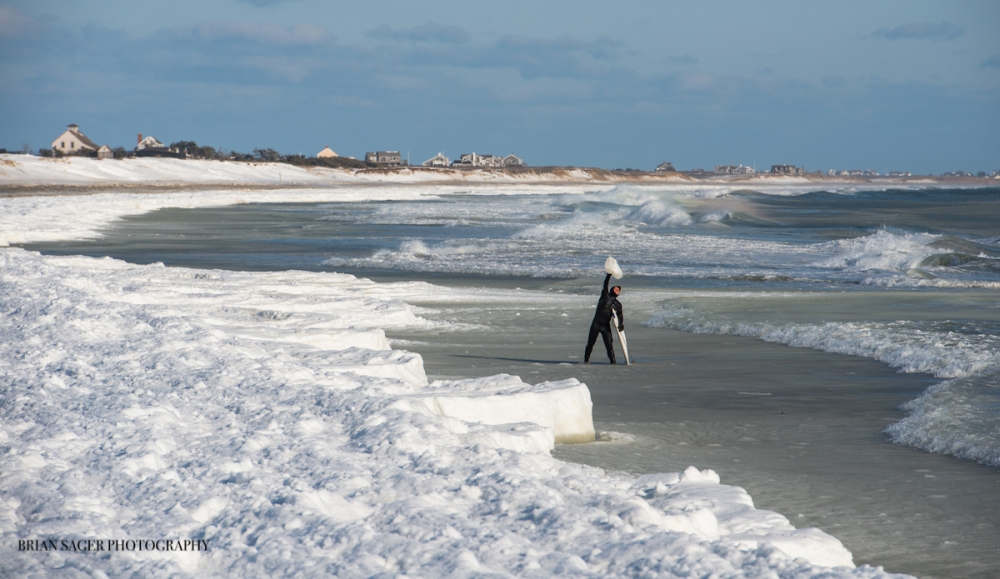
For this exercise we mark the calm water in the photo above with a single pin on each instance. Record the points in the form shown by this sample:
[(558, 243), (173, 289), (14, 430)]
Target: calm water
[(904, 282)]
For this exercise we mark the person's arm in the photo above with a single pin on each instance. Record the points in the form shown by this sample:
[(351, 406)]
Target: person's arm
[(606, 291), (621, 316)]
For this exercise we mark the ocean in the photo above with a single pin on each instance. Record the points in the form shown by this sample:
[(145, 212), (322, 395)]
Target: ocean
[(836, 352)]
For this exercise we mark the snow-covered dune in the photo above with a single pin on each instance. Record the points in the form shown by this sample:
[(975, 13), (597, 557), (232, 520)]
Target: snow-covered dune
[(31, 171)]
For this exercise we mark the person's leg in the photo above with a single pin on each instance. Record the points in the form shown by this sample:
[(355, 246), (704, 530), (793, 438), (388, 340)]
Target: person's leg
[(591, 340), (608, 343)]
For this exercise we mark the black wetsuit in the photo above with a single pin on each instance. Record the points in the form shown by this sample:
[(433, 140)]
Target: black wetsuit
[(602, 322)]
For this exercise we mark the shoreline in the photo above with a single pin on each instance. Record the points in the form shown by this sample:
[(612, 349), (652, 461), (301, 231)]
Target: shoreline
[(529, 375), (753, 422), (26, 176)]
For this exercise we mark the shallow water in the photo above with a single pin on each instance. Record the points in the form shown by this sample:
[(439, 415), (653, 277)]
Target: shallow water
[(899, 280), (801, 430)]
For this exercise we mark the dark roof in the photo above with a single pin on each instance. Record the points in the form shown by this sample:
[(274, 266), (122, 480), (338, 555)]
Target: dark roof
[(83, 138)]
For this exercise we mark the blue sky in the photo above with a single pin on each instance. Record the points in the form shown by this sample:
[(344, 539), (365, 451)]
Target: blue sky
[(890, 85)]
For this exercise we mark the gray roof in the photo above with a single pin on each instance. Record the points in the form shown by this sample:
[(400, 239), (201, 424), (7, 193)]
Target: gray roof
[(83, 138)]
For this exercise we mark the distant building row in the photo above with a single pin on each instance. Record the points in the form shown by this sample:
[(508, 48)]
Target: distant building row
[(476, 160), (734, 170), (74, 141), (394, 159)]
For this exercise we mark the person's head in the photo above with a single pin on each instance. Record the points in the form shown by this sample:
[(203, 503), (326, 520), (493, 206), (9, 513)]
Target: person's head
[(616, 290)]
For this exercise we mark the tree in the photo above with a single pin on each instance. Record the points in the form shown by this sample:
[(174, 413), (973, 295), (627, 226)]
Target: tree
[(268, 154)]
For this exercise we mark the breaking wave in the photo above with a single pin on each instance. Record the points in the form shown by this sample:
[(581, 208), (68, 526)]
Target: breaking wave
[(888, 258), (960, 416)]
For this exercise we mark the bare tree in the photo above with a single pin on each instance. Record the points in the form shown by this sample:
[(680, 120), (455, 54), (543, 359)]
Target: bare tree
[(25, 148)]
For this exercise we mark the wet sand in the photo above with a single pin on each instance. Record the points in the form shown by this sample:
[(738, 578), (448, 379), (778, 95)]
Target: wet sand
[(800, 429)]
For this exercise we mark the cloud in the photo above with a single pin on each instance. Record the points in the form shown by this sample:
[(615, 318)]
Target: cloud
[(262, 3), (921, 30), (682, 59), (563, 57), (430, 32), (298, 35), (834, 81), (991, 62), (14, 24)]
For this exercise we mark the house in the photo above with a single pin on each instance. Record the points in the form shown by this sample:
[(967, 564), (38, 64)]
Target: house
[(733, 170), (149, 142), (73, 141), (150, 147), (326, 153), (482, 160), (665, 167), (513, 161), (491, 161), (787, 170), (105, 152), (387, 158), (900, 174), (438, 160)]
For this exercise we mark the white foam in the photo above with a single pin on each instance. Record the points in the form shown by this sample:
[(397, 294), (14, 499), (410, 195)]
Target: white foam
[(957, 417), (889, 259), (153, 402), (656, 212)]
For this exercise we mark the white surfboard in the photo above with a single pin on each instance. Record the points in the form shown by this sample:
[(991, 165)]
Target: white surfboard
[(621, 336)]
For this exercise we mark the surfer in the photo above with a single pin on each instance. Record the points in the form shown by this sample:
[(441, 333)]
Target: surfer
[(606, 306)]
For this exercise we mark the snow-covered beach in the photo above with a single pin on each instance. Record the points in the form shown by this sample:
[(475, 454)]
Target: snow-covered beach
[(266, 414)]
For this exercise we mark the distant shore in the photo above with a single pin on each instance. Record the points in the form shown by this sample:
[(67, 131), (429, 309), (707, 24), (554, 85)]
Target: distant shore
[(22, 175)]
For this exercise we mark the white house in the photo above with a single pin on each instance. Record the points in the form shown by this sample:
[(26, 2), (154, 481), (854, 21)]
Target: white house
[(787, 170), (72, 140), (733, 170), (493, 161), (326, 152), (149, 142), (105, 152), (666, 167), (512, 160), (438, 160)]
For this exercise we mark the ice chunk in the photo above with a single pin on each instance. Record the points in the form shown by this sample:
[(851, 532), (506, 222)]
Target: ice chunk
[(564, 407)]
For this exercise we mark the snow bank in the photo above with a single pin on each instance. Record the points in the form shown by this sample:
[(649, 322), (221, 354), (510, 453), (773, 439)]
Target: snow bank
[(263, 414), (28, 170)]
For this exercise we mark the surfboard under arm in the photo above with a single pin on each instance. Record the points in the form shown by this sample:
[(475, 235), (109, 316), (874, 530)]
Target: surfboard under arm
[(621, 337)]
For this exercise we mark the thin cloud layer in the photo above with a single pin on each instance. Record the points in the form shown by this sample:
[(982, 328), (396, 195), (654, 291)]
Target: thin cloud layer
[(263, 3), (15, 24), (429, 33), (682, 59), (920, 31), (272, 34)]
